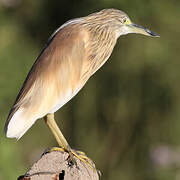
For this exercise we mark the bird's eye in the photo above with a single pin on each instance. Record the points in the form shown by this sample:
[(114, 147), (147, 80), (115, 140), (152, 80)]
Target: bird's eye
[(124, 20)]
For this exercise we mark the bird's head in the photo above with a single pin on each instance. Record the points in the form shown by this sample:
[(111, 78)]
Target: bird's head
[(119, 22)]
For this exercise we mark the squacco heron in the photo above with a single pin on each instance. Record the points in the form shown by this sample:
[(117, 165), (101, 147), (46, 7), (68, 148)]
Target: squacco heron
[(73, 53)]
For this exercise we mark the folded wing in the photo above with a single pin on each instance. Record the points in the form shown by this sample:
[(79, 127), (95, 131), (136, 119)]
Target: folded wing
[(53, 80)]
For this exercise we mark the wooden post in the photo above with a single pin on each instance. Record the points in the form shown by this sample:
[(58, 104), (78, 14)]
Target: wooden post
[(55, 166)]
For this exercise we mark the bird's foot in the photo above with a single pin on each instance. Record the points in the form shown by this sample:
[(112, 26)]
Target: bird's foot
[(73, 154)]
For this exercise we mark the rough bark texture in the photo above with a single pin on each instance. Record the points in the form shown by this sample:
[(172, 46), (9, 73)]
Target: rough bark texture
[(56, 166)]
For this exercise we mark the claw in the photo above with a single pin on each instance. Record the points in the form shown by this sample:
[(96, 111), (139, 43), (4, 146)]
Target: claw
[(57, 149), (75, 154), (83, 158)]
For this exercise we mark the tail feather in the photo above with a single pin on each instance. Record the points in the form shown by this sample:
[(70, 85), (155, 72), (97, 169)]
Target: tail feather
[(18, 124)]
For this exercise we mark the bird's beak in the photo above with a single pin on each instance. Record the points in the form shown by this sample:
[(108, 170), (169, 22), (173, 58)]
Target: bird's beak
[(134, 28)]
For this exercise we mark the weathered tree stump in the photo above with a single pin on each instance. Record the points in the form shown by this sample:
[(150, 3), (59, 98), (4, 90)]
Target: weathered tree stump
[(55, 166)]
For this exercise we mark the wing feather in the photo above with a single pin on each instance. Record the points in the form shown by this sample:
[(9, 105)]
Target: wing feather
[(54, 77)]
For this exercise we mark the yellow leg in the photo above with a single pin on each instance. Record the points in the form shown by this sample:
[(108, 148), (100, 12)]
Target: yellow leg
[(64, 146), (50, 121)]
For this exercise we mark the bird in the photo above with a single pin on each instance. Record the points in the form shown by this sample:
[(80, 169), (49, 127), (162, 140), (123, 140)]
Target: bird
[(72, 54)]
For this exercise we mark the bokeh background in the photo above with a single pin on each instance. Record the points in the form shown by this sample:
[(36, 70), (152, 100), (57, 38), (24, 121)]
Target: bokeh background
[(127, 117)]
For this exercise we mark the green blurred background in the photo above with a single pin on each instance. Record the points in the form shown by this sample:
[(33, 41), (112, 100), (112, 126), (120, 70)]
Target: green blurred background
[(127, 117)]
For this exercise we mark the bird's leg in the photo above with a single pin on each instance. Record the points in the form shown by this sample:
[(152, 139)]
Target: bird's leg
[(64, 146), (50, 121)]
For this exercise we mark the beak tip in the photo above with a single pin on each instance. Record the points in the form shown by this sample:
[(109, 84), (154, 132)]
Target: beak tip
[(152, 33)]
